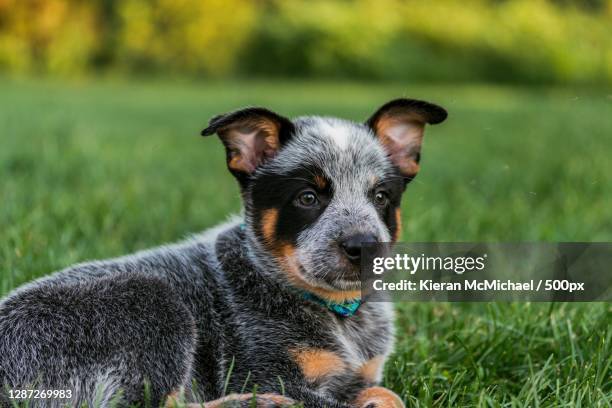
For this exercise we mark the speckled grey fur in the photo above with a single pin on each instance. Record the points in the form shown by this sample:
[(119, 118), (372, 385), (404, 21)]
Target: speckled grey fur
[(184, 313)]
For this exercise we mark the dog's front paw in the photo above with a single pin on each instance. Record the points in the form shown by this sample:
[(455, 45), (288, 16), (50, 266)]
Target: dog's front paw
[(378, 397), (250, 401), (273, 401), (236, 401)]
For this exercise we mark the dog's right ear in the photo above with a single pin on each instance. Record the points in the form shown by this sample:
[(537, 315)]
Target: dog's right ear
[(251, 136), (400, 125)]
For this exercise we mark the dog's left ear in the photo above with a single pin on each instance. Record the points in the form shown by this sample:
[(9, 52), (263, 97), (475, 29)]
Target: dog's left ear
[(399, 125), (250, 136)]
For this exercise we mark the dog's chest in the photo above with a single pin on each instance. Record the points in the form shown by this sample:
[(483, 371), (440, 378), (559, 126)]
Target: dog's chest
[(354, 353), (363, 352)]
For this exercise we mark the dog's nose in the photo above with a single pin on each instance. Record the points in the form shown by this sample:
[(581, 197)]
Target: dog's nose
[(351, 245)]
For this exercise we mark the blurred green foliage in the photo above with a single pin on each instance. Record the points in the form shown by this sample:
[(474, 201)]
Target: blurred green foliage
[(68, 37), (532, 41)]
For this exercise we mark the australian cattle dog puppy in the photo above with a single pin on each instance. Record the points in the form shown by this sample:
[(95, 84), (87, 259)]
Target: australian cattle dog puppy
[(270, 300)]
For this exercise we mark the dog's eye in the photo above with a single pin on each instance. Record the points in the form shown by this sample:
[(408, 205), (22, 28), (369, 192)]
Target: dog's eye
[(381, 198), (307, 199)]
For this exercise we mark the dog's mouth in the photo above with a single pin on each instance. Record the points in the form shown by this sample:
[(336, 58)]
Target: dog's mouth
[(346, 278), (346, 284), (337, 283)]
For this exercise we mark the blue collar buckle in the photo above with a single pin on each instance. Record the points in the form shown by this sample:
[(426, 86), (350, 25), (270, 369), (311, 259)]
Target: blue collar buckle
[(345, 309)]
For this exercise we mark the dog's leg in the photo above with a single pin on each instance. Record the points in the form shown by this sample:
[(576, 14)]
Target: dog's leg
[(378, 397), (126, 337), (238, 401), (372, 397)]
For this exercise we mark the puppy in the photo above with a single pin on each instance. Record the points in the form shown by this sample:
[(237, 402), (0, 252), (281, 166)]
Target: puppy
[(269, 301)]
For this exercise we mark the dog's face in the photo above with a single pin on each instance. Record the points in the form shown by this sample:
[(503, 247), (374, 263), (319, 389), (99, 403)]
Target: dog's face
[(315, 189)]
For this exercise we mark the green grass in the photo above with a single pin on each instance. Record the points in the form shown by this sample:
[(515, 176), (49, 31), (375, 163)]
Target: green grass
[(98, 170), (514, 355)]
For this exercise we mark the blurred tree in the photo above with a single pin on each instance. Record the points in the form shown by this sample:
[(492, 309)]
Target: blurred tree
[(54, 36), (195, 36), (534, 41), (108, 25)]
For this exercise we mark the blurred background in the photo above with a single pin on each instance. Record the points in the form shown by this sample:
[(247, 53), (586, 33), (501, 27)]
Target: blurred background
[(517, 41)]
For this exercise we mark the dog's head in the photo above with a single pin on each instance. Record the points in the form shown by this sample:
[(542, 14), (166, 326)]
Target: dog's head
[(315, 189)]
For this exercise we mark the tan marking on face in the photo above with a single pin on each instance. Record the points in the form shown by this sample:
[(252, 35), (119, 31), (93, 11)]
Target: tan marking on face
[(318, 363), (379, 397), (269, 219), (373, 180), (371, 370), (398, 224), (290, 266), (335, 296), (320, 182)]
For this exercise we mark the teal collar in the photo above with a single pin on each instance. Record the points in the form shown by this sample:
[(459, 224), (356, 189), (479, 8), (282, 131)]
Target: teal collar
[(345, 309)]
